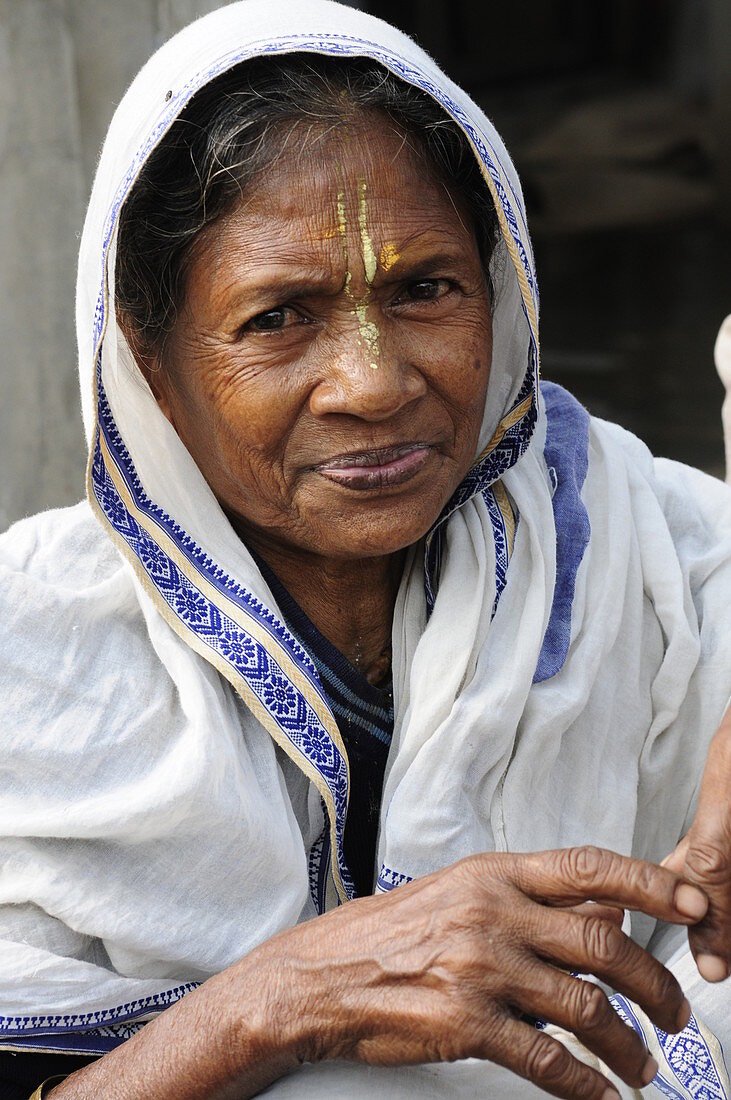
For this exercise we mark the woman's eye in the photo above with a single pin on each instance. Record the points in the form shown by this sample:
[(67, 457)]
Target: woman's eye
[(424, 290), (272, 320)]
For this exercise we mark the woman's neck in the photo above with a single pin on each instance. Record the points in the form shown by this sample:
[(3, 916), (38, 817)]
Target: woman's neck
[(351, 602)]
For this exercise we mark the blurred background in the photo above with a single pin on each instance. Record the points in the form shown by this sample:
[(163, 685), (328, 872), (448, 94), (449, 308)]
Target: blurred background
[(617, 114)]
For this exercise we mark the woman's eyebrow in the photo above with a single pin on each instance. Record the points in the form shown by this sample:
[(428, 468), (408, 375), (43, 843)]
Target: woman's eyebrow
[(422, 262), (282, 286)]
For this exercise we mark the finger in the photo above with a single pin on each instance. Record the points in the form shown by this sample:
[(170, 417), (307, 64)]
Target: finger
[(707, 863), (568, 876), (548, 1064), (708, 858), (583, 1008), (598, 947), (603, 912)]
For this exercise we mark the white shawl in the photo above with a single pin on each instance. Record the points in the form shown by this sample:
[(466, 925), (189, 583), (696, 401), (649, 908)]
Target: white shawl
[(175, 785)]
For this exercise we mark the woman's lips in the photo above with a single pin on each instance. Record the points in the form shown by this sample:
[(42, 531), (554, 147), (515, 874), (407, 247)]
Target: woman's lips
[(376, 469)]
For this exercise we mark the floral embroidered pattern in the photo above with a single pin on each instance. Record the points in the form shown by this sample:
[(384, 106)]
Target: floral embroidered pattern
[(687, 1069)]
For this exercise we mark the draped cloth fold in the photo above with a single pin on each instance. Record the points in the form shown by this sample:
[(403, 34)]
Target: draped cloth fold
[(175, 785)]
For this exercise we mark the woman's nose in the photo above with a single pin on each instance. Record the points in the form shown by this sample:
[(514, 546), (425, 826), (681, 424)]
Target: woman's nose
[(369, 382)]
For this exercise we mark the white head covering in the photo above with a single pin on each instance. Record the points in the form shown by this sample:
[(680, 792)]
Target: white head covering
[(142, 482), (561, 690)]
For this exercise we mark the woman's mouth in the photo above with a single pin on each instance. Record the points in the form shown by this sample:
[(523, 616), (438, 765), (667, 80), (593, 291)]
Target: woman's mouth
[(376, 469)]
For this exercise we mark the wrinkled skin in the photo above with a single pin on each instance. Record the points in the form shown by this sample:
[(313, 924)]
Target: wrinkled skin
[(294, 349), (704, 857), (268, 378), (439, 969)]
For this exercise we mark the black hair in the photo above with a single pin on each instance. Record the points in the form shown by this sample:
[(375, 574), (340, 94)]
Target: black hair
[(231, 131)]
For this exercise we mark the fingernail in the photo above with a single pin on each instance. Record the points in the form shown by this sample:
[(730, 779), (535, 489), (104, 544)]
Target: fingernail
[(711, 967), (611, 1094), (649, 1073), (683, 1013), (690, 901)]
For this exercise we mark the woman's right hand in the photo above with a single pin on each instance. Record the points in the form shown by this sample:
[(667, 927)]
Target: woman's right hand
[(443, 968)]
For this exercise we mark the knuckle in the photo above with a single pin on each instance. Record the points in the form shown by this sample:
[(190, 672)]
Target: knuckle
[(591, 1007), (646, 876), (546, 1060), (708, 860), (605, 943), (488, 1031), (472, 864), (475, 870), (585, 863)]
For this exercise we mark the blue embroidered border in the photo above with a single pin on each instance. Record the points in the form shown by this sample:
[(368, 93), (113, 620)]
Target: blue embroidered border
[(479, 479), (502, 549), (687, 1056), (99, 1040), (78, 1021), (319, 866), (389, 879)]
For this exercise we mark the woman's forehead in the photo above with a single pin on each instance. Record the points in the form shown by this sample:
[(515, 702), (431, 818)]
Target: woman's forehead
[(318, 188), (367, 144), (319, 208)]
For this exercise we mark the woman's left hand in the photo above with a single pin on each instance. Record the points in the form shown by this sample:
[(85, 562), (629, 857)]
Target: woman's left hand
[(703, 857)]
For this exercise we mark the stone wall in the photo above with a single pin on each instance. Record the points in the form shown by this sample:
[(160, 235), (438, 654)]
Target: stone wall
[(64, 65)]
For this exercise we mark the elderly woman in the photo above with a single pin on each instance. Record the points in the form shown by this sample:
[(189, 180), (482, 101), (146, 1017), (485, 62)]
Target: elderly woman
[(353, 605)]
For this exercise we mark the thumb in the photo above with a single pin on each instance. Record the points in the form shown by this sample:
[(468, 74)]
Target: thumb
[(675, 860)]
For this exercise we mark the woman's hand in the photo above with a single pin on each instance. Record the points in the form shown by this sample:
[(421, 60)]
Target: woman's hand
[(704, 858), (443, 968)]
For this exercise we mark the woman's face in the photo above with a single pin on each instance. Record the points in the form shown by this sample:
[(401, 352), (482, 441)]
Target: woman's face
[(328, 369)]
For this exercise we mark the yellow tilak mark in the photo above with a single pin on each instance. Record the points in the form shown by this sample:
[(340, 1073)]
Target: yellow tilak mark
[(389, 256), (369, 255), (368, 329), (369, 332)]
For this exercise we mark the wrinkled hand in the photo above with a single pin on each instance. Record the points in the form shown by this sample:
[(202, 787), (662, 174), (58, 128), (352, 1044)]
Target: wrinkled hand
[(703, 857), (448, 966)]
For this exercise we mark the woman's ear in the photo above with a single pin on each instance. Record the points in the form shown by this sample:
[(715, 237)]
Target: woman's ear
[(149, 363)]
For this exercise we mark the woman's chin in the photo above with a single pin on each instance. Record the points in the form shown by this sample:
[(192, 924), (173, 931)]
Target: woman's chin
[(386, 527)]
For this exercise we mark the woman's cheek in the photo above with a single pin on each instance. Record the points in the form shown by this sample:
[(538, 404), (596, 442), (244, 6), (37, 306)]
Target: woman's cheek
[(252, 403), (250, 431), (451, 345), (462, 376)]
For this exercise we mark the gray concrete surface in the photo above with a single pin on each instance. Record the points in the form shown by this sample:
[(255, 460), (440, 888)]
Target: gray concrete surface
[(64, 65)]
